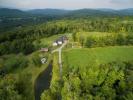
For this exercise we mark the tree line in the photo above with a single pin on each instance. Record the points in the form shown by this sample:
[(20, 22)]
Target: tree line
[(103, 39)]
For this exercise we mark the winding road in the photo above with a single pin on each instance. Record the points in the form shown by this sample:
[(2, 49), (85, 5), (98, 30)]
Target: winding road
[(60, 59)]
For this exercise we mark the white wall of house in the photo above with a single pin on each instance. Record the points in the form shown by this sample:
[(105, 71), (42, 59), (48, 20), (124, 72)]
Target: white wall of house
[(55, 44), (59, 42)]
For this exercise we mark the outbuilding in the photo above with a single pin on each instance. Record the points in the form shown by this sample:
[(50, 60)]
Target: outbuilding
[(44, 50)]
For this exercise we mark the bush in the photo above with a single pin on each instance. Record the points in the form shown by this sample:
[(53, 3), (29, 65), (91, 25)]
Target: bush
[(90, 42), (15, 62), (36, 60), (8, 89), (23, 86), (16, 88)]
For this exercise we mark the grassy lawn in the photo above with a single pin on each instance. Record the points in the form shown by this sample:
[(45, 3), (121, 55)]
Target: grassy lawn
[(94, 34), (50, 40), (84, 56), (47, 41)]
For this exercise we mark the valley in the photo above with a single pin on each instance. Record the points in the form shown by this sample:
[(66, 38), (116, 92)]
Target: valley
[(52, 54)]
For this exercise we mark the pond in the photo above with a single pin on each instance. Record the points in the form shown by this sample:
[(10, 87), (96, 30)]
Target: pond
[(43, 81)]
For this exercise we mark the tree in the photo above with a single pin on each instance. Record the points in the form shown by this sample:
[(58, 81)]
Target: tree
[(90, 42), (47, 95), (8, 90), (120, 39), (24, 87), (15, 62), (74, 36), (36, 60)]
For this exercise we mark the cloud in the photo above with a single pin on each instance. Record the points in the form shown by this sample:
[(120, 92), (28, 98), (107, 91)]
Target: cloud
[(66, 4), (122, 1)]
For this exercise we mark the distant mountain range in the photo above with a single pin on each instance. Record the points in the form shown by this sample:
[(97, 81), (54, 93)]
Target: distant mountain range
[(14, 18), (48, 11), (6, 12), (89, 12)]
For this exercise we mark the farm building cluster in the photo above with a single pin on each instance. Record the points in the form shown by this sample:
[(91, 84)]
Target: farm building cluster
[(57, 42), (60, 41)]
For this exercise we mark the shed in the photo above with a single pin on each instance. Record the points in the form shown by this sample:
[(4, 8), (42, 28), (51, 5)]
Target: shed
[(44, 50)]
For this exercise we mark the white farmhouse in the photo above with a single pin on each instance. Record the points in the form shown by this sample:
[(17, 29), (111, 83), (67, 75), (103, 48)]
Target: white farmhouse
[(55, 44), (60, 42)]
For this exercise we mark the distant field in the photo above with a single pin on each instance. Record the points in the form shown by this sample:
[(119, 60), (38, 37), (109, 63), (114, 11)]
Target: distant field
[(95, 34), (83, 57), (127, 22)]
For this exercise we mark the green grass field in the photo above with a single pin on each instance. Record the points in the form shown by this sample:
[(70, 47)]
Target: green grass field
[(94, 34), (83, 57)]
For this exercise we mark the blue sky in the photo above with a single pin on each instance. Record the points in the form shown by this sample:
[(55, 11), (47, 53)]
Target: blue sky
[(66, 4)]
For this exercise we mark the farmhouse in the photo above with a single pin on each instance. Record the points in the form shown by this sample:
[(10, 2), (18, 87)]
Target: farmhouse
[(60, 41), (55, 43)]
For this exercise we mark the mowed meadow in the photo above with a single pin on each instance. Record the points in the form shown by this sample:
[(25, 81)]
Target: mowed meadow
[(85, 56)]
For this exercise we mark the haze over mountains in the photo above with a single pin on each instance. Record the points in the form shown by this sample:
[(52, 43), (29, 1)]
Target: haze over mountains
[(19, 13), (14, 18)]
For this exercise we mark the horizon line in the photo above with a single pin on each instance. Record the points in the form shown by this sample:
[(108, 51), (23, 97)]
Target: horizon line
[(24, 9)]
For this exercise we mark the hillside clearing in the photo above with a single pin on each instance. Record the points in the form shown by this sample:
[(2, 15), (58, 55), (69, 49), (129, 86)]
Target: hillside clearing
[(83, 57)]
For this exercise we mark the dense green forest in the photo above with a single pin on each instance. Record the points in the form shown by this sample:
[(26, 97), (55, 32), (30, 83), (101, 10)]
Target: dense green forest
[(103, 38), (20, 40), (111, 81)]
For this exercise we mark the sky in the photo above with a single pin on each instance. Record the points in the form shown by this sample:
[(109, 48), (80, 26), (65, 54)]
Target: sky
[(66, 4)]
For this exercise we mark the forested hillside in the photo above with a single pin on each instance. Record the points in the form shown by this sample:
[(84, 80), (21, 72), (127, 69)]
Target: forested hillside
[(13, 18), (20, 40)]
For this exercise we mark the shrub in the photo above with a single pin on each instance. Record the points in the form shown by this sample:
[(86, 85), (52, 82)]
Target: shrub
[(36, 60), (15, 62)]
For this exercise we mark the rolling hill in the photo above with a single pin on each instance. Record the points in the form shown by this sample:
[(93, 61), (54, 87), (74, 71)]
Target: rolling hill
[(12, 18), (6, 12), (48, 11)]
